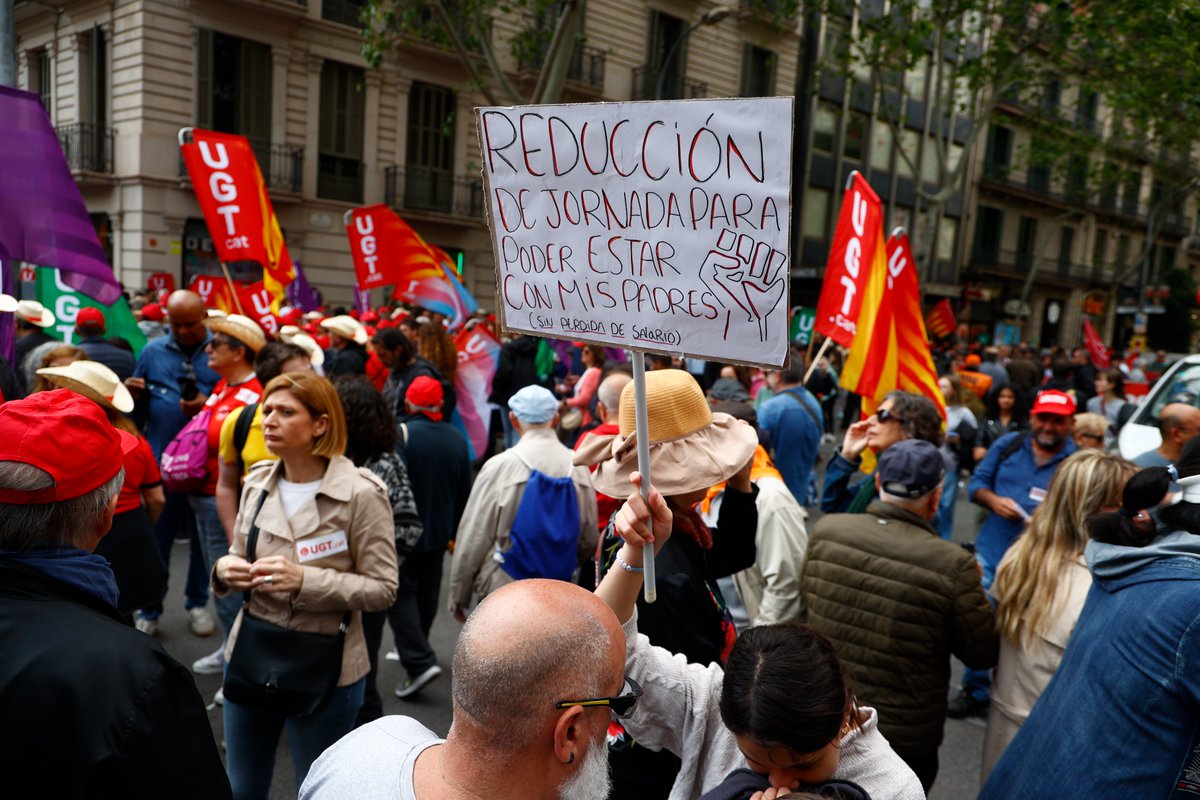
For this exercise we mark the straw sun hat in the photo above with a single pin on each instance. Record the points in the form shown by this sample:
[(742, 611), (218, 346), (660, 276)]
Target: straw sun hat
[(346, 326), (35, 313), (94, 381), (691, 447), (292, 334), (244, 329)]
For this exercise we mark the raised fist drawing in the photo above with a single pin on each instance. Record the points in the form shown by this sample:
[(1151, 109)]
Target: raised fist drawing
[(746, 275)]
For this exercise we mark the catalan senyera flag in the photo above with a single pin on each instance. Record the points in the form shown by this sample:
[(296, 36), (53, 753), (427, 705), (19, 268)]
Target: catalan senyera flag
[(890, 350), (940, 320), (237, 208)]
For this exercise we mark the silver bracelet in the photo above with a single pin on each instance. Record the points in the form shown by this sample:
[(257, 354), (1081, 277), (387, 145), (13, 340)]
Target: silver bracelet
[(628, 567)]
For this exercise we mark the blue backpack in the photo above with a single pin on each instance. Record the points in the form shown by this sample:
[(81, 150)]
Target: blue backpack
[(545, 534)]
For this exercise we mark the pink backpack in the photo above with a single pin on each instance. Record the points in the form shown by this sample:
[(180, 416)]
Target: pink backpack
[(185, 460)]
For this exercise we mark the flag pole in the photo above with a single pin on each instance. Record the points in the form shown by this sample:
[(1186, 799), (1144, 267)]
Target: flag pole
[(641, 417), (237, 301), (824, 346)]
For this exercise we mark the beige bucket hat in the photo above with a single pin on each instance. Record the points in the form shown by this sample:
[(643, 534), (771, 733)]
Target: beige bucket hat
[(691, 447)]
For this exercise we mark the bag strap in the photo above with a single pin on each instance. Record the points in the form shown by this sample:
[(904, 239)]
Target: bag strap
[(241, 432), (252, 539), (1012, 447), (796, 396)]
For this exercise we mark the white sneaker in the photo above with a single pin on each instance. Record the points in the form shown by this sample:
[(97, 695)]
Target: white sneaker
[(147, 626), (219, 697), (201, 621), (413, 685), (211, 664), (392, 655)]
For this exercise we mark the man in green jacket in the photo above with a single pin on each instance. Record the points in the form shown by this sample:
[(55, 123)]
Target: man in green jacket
[(897, 601)]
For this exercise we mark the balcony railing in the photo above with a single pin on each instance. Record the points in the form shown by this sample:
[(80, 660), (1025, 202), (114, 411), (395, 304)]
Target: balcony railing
[(88, 147), (425, 189), (281, 164), (586, 66), (1047, 267), (645, 86)]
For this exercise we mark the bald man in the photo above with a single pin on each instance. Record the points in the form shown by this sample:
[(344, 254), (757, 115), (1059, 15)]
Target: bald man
[(1178, 423), (529, 648)]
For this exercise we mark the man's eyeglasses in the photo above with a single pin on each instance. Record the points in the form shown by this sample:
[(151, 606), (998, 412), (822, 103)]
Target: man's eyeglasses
[(622, 705), (886, 415)]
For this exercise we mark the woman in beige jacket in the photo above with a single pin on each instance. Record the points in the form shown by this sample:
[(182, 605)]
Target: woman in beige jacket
[(325, 546), (1040, 589)]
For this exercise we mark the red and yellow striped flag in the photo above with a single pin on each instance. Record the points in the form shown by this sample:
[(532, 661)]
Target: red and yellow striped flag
[(891, 350), (940, 319)]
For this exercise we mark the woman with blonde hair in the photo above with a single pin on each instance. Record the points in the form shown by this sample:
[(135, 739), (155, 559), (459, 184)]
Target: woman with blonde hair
[(1089, 430), (1040, 588)]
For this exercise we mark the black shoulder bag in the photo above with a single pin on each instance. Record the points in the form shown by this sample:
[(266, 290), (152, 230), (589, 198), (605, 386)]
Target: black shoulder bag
[(277, 669)]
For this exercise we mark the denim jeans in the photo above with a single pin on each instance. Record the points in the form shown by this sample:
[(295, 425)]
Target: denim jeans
[(945, 515), (978, 682), (252, 736), (176, 517), (213, 542)]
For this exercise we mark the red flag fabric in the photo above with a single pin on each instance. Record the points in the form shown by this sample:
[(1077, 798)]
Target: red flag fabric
[(940, 320), (855, 241), (215, 292), (1101, 355), (237, 209), (478, 356), (256, 304), (386, 250)]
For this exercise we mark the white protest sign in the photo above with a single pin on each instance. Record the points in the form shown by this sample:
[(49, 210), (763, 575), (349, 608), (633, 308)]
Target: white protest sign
[(658, 226)]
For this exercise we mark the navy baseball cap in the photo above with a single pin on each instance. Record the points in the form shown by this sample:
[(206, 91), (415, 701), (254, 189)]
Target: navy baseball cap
[(911, 469)]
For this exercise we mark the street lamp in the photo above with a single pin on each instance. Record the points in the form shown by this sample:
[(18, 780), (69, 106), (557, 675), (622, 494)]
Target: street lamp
[(710, 17)]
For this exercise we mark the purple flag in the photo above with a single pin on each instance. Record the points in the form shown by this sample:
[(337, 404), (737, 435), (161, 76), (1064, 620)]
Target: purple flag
[(42, 216), (299, 293), (7, 321), (362, 299)]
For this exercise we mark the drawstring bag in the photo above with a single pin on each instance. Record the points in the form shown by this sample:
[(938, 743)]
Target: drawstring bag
[(184, 460), (545, 534)]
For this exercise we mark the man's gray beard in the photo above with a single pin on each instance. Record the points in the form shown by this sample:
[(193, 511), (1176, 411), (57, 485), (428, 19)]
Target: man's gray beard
[(591, 781)]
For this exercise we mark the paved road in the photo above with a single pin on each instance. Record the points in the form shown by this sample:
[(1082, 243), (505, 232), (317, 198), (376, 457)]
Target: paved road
[(958, 778)]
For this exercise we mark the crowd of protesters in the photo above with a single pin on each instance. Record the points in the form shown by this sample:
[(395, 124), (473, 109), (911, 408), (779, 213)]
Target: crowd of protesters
[(320, 478)]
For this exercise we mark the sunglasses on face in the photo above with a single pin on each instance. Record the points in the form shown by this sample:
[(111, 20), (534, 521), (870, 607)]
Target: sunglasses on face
[(622, 705), (886, 415)]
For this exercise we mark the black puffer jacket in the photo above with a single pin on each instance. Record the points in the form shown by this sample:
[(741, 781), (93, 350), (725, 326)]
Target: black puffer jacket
[(93, 708), (897, 601)]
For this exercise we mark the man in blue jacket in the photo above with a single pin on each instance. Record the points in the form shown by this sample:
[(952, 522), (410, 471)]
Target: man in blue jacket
[(1011, 482), (794, 422), (171, 382)]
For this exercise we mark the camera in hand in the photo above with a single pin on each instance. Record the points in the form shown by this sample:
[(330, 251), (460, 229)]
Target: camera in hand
[(188, 388)]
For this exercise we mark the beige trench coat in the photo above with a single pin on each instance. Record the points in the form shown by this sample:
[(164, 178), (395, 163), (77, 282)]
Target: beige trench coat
[(362, 577)]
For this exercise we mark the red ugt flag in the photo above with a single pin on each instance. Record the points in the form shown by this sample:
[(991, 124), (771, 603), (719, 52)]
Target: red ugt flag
[(1101, 356), (858, 235)]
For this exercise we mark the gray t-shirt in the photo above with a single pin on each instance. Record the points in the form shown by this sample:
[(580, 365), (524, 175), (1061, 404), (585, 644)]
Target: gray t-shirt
[(374, 762)]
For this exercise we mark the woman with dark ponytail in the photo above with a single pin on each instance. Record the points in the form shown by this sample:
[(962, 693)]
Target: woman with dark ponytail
[(1120, 717)]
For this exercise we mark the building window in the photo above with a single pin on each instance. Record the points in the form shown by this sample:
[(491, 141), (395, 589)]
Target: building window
[(1077, 179), (93, 78), (41, 82), (1026, 242), (1122, 250), (1064, 250), (856, 135), (343, 103), (998, 156), (233, 90), (825, 123), (1132, 190), (758, 71), (347, 12), (429, 182), (1052, 97), (816, 212), (665, 31), (1100, 248), (1085, 110), (988, 231)]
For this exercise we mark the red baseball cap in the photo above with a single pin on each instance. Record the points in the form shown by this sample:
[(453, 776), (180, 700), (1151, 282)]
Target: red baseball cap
[(65, 434), (426, 395), (152, 312), (90, 316), (1052, 401)]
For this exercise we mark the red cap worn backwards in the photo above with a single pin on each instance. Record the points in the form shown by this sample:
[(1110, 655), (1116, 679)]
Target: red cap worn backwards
[(1052, 401), (65, 434)]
